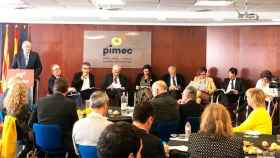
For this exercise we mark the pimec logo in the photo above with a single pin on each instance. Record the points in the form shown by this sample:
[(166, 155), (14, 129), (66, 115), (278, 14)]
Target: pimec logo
[(116, 42)]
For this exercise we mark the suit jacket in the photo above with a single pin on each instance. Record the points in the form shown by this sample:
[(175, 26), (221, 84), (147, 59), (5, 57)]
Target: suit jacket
[(107, 81), (239, 86), (51, 80), (152, 146), (165, 108), (77, 82), (180, 80), (56, 109), (202, 145), (34, 63)]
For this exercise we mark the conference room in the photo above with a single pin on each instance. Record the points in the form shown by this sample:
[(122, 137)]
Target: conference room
[(139, 78)]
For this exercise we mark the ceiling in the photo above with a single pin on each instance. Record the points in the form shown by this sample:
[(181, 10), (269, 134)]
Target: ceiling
[(138, 12)]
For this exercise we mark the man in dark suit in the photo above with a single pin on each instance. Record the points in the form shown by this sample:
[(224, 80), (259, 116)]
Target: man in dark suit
[(58, 109), (115, 84), (56, 73), (165, 106), (234, 88), (188, 106), (143, 120), (84, 79), (175, 82), (27, 59)]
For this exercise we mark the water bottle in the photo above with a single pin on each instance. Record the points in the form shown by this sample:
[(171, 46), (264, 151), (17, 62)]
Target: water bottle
[(124, 100), (188, 131)]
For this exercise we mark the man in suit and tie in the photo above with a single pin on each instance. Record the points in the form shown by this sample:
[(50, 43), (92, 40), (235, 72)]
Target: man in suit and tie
[(234, 88), (175, 82), (27, 59), (84, 79), (115, 84)]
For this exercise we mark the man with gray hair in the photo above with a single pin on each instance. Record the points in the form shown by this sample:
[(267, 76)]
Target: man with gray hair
[(188, 105), (86, 131)]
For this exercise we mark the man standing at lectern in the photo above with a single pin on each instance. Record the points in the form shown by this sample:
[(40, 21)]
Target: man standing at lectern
[(27, 59)]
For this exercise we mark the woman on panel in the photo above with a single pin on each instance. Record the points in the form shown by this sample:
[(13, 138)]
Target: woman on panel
[(263, 84), (146, 78), (215, 137), (259, 119)]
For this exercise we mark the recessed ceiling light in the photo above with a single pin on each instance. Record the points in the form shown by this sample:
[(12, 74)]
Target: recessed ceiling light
[(213, 2)]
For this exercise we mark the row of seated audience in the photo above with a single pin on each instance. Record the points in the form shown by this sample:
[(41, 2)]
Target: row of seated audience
[(140, 139)]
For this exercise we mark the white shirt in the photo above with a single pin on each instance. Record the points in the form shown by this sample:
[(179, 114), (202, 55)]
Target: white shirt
[(229, 87), (117, 84), (26, 58), (86, 84), (87, 131), (265, 88), (171, 81)]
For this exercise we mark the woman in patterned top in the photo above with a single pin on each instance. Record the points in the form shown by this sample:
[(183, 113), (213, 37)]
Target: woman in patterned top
[(215, 138)]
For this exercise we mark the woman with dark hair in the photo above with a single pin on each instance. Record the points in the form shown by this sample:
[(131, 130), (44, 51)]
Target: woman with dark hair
[(145, 79), (215, 137), (263, 82)]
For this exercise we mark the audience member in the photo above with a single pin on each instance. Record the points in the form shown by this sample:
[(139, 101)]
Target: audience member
[(143, 120), (174, 81), (259, 119), (58, 109), (56, 73), (119, 140), (87, 130), (215, 138)]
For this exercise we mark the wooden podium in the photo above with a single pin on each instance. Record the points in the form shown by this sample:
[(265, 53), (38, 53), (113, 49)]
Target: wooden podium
[(26, 74)]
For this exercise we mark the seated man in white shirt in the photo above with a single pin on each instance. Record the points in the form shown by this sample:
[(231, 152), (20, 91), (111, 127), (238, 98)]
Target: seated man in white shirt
[(87, 130)]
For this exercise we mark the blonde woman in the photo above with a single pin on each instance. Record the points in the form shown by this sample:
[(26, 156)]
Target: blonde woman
[(259, 119), (15, 104), (215, 138)]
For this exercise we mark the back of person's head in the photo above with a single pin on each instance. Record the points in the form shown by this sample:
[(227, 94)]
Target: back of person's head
[(233, 70), (142, 112), (98, 99), (190, 92), (159, 87), (216, 121), (118, 140), (202, 69), (256, 96), (16, 97), (60, 85), (266, 74)]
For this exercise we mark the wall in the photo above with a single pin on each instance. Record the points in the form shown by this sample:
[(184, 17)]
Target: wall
[(251, 49), (63, 44)]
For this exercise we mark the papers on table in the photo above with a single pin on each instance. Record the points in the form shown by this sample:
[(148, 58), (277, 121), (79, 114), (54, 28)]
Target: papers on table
[(179, 139), (180, 148)]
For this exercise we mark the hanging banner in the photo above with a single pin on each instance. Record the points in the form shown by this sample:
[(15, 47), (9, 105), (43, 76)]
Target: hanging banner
[(129, 49)]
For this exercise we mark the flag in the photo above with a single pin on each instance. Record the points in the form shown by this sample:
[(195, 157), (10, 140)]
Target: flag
[(6, 58), (16, 39)]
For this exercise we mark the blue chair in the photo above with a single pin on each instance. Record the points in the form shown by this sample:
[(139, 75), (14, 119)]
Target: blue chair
[(2, 116), (164, 129), (48, 138), (87, 151), (195, 123)]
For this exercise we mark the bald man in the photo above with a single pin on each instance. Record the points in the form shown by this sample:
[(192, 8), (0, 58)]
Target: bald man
[(165, 106), (114, 84), (27, 59)]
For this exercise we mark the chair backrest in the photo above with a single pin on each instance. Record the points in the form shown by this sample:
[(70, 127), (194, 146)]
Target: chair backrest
[(195, 123), (87, 151), (48, 137), (164, 129), (2, 116)]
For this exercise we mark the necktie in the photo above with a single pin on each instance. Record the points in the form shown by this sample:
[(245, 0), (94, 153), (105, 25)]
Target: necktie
[(115, 80), (174, 82), (26, 59), (232, 85)]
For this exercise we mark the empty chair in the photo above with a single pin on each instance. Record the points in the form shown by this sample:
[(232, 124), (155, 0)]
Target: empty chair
[(195, 123), (48, 138), (87, 151)]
